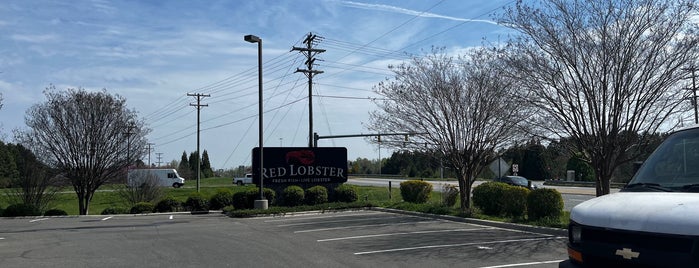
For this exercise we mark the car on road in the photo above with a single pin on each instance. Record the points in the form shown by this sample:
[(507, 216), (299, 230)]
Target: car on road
[(516, 181)]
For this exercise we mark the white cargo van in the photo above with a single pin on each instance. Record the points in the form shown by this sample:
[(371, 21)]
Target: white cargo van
[(161, 177), (652, 222)]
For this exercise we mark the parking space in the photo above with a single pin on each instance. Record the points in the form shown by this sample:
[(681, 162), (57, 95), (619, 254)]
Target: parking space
[(410, 241), (364, 238)]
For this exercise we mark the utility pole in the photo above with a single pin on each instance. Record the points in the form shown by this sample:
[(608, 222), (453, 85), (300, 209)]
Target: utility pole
[(160, 158), (149, 148), (198, 96), (310, 54), (694, 92), (128, 133)]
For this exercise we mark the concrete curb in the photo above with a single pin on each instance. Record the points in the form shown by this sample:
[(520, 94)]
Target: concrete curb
[(497, 224)]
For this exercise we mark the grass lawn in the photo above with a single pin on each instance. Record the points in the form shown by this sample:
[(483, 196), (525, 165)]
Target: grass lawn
[(107, 196)]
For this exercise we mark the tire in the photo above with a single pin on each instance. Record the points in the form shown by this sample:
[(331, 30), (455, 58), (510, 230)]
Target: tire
[(176, 185), (240, 183)]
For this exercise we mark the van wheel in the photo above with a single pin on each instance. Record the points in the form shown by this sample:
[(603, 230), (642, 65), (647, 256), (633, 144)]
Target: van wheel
[(240, 183), (176, 185)]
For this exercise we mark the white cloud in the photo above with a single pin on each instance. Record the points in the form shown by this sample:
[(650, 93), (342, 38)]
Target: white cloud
[(34, 38)]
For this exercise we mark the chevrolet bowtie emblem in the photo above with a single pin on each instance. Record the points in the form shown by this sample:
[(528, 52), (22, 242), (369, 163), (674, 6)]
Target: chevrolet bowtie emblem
[(627, 253)]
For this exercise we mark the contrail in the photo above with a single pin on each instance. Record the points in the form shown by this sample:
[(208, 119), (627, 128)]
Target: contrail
[(394, 9)]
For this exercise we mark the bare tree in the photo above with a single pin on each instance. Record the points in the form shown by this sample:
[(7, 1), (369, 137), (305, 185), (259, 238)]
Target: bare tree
[(462, 105), (87, 136), (142, 187), (600, 70)]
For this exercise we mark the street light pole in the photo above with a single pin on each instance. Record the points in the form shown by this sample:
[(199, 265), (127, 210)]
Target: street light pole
[(262, 203)]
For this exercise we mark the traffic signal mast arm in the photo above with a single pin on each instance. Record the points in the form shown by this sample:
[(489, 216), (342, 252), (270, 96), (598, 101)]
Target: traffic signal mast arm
[(316, 137)]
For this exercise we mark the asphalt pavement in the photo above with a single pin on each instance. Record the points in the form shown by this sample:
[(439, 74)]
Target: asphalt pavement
[(360, 238)]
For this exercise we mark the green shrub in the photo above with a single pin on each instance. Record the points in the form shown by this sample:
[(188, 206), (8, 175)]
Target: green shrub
[(222, 198), (2, 212), (240, 200), (19, 210), (346, 193), (55, 212), (489, 197), (228, 210), (113, 210), (450, 194), (246, 199), (415, 191), (271, 195), (196, 202), (316, 195), (168, 204), (515, 201), (5, 183), (544, 203), (142, 207), (293, 195)]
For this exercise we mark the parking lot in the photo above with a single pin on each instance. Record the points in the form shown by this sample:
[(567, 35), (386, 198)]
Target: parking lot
[(364, 238), (398, 240)]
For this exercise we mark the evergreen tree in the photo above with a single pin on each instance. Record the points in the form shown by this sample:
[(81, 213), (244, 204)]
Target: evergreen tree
[(193, 160), (183, 168), (8, 166), (583, 170), (206, 165), (536, 163)]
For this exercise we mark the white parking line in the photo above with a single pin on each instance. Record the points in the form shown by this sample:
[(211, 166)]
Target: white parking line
[(522, 264), (301, 217), (40, 219), (403, 233), (171, 217), (107, 218), (360, 226), (336, 221), (458, 245)]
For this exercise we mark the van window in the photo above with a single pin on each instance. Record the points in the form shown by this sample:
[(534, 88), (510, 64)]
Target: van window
[(675, 164), (171, 175)]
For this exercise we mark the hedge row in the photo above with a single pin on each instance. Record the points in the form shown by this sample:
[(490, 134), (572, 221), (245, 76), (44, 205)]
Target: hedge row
[(498, 199), (295, 195), (22, 210), (225, 198)]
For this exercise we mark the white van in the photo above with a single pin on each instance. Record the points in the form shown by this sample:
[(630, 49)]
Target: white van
[(162, 177), (652, 222)]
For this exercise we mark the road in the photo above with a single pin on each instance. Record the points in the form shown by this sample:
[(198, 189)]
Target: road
[(571, 195)]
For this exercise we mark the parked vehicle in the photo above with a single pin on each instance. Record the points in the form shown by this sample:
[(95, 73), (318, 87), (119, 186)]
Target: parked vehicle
[(652, 222), (161, 177), (516, 181), (243, 180)]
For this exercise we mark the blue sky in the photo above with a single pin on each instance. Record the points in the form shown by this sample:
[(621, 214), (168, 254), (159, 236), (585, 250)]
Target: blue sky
[(155, 52)]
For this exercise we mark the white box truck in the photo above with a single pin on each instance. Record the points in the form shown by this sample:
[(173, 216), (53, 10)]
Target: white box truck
[(161, 177), (652, 222)]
